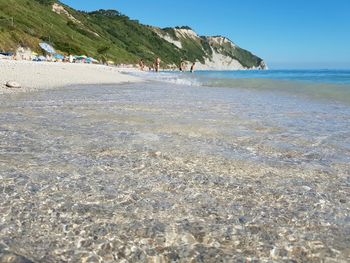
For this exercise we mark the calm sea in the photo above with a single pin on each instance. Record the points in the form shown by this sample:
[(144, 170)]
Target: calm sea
[(249, 159), (330, 85)]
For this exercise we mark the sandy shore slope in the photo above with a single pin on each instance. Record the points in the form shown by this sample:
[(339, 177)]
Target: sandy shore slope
[(43, 75)]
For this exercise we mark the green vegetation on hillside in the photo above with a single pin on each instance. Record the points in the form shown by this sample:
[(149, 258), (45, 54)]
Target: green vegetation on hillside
[(103, 34)]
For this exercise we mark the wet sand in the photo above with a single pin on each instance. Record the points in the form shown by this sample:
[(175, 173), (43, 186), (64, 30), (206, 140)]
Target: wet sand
[(160, 173)]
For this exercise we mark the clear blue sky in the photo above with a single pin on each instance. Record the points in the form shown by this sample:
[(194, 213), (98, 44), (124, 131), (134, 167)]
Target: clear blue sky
[(286, 33)]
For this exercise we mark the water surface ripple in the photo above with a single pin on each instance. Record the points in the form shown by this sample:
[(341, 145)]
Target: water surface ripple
[(164, 173)]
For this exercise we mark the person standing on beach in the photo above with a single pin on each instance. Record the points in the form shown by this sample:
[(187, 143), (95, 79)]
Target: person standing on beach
[(183, 65), (180, 67), (142, 64), (70, 58), (192, 67), (157, 64)]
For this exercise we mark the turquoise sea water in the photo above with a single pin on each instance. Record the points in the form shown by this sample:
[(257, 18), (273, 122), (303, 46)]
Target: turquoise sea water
[(307, 76), (311, 105), (328, 85)]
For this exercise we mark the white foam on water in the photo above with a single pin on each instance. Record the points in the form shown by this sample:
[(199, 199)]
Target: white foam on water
[(185, 79)]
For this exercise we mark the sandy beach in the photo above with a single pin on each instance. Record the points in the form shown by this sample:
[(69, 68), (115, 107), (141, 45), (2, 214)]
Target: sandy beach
[(45, 75)]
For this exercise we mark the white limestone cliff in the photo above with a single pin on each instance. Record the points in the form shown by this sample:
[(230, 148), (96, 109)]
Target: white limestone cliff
[(219, 57)]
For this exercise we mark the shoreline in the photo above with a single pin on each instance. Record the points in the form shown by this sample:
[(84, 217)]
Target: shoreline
[(34, 76)]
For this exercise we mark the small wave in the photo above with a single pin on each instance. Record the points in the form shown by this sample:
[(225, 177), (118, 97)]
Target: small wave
[(168, 77), (335, 91)]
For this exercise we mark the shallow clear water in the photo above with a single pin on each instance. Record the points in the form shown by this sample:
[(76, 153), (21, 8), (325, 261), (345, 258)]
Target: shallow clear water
[(275, 123), (156, 171), (327, 85)]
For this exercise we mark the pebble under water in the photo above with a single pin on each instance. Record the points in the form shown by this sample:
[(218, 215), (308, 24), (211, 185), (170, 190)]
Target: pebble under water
[(155, 172)]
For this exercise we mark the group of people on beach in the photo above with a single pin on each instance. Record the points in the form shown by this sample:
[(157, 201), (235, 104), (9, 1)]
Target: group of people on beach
[(156, 66), (182, 66)]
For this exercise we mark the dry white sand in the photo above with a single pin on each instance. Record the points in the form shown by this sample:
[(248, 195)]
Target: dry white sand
[(44, 75)]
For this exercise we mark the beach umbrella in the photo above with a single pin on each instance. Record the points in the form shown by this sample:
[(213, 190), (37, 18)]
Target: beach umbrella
[(7, 53), (42, 58), (93, 60), (81, 57), (48, 48), (59, 56), (110, 62)]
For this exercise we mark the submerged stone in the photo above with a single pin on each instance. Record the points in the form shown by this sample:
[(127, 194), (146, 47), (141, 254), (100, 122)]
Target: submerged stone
[(13, 84), (7, 257)]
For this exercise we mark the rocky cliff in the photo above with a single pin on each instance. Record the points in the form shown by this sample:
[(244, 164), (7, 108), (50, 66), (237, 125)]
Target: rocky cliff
[(213, 53)]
